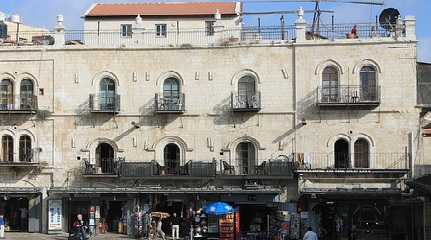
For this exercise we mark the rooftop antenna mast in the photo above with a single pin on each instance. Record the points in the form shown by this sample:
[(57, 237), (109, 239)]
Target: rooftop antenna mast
[(317, 11)]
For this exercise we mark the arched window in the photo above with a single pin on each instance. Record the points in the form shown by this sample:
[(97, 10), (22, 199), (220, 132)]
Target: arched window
[(362, 153), (27, 100), (247, 91), (107, 96), (171, 95), (25, 150), (172, 159), (330, 84), (105, 158), (6, 94), (341, 154), (246, 157), (7, 148), (368, 78)]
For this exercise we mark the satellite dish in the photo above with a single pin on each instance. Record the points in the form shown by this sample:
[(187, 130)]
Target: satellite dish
[(388, 18)]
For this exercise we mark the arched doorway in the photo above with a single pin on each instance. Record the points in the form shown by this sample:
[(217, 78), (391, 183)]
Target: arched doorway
[(368, 77), (171, 94), (330, 84), (342, 154), (246, 157), (246, 91), (25, 150), (107, 96), (105, 158), (6, 94), (362, 153), (172, 159), (26, 94), (7, 148)]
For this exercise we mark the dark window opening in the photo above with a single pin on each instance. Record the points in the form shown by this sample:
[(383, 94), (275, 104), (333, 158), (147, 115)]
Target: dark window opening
[(362, 154), (25, 150), (107, 99), (368, 76), (209, 26), (161, 30), (247, 92), (246, 157), (6, 95), (126, 30), (105, 158), (172, 159), (7, 148), (330, 84), (342, 154), (26, 94)]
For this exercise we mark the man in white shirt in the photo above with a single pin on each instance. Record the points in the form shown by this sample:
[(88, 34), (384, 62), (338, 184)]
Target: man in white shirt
[(310, 235)]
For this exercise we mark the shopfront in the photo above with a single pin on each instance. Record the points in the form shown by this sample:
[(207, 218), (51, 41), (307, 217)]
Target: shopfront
[(21, 209)]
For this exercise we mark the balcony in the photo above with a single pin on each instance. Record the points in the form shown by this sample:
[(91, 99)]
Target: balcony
[(170, 104), (106, 168), (348, 96), (23, 104), (192, 169), (246, 103), (104, 103), (270, 169), (339, 164), (25, 161)]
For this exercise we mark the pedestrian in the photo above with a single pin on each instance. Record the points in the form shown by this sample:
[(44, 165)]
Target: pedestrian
[(159, 229), (310, 235), (175, 222), (2, 224)]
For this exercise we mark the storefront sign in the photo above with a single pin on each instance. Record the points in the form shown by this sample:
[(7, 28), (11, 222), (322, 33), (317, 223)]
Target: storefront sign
[(54, 215)]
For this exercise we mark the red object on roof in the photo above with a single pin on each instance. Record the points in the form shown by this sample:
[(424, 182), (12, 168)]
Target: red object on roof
[(162, 9)]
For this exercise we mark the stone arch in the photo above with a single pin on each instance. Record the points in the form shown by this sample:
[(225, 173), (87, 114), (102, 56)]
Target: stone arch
[(329, 62), (95, 143), (181, 143), (22, 132), (232, 147), (104, 74), (8, 132), (170, 74), (243, 73), (366, 62), (331, 141), (366, 137), (29, 76)]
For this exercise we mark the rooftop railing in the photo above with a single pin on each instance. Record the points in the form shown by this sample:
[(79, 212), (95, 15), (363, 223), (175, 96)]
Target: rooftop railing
[(199, 37)]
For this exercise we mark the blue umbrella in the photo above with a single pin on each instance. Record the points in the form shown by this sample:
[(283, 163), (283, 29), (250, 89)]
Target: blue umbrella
[(218, 208)]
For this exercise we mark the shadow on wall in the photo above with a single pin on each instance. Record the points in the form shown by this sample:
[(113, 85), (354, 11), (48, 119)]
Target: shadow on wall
[(85, 118), (225, 116), (309, 110)]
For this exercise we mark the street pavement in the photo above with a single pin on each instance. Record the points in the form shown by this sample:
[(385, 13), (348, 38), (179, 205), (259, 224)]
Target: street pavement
[(38, 236)]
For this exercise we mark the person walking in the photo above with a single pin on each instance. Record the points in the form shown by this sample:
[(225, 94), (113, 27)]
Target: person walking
[(159, 229), (2, 224), (310, 235), (175, 222)]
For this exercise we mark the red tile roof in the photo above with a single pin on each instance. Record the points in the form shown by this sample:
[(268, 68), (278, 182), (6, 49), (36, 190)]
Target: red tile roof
[(161, 9)]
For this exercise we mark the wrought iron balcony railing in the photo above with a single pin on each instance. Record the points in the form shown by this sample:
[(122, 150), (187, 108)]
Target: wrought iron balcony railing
[(246, 103), (153, 169), (269, 168), (105, 167), (18, 104), (25, 159), (348, 95), (170, 104), (356, 161), (104, 103)]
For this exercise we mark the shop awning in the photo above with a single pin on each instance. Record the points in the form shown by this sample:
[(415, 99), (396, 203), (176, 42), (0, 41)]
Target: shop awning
[(139, 190), (17, 190), (351, 191)]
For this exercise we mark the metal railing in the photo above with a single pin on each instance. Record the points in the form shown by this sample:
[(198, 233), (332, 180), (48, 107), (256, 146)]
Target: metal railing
[(198, 37), (104, 167), (348, 95), (153, 169), (346, 31), (170, 104), (375, 161), (18, 103), (246, 102), (268, 168), (104, 103), (24, 158), (28, 38)]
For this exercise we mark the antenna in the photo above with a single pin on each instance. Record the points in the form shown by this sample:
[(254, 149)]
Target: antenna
[(317, 10)]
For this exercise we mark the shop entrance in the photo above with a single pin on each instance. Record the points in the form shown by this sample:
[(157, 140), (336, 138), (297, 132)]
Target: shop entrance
[(15, 212), (253, 220), (78, 207), (114, 216)]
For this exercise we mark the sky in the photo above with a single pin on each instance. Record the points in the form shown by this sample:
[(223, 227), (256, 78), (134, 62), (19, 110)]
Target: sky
[(43, 13)]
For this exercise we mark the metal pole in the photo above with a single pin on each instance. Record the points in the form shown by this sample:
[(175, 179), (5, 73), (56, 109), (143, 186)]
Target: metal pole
[(17, 33), (258, 25), (282, 27), (333, 27)]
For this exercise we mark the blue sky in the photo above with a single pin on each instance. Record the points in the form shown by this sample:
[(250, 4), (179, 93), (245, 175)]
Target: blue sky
[(42, 13)]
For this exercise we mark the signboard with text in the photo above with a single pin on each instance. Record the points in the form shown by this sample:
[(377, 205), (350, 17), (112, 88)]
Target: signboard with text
[(54, 215)]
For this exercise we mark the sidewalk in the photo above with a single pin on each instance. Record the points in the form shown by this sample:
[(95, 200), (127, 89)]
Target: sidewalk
[(39, 236)]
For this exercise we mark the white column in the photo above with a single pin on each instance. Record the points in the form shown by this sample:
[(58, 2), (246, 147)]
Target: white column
[(410, 25), (300, 26), (59, 32)]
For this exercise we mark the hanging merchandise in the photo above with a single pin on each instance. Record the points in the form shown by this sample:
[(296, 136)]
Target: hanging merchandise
[(227, 227)]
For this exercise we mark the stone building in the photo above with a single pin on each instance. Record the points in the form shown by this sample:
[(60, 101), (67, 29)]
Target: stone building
[(276, 120)]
